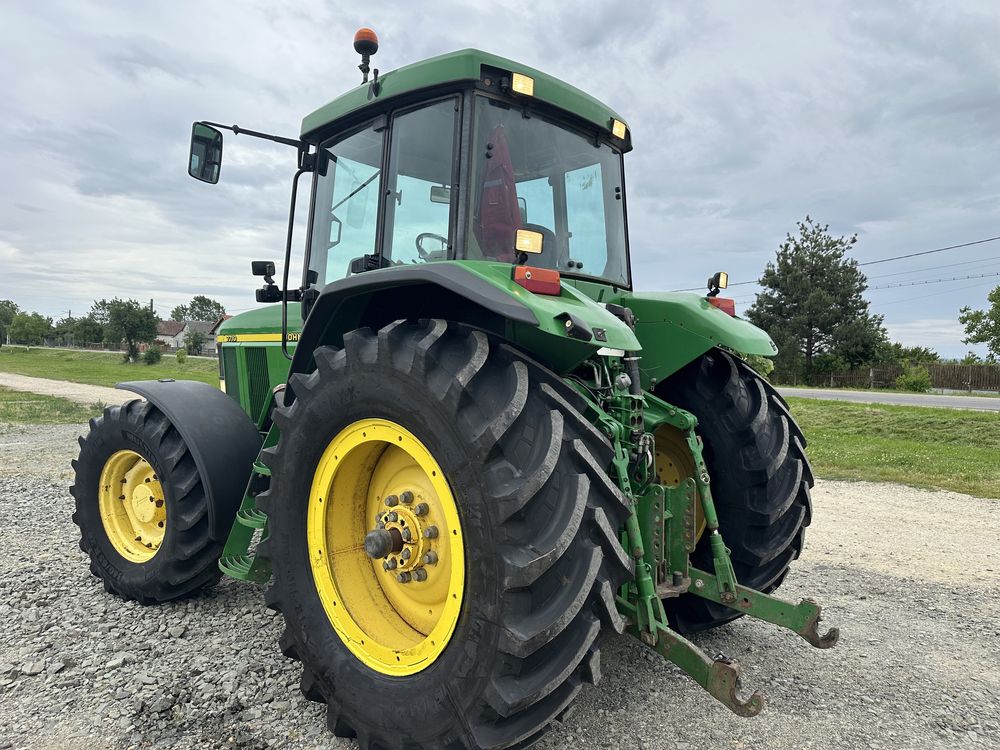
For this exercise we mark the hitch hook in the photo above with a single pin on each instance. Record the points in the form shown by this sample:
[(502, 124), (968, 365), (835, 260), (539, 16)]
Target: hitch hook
[(810, 631)]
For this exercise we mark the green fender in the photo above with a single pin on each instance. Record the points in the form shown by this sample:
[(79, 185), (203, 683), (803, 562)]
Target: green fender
[(676, 328), (479, 293)]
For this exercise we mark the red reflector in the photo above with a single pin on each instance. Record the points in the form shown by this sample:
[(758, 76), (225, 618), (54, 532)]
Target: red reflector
[(538, 280), (725, 304)]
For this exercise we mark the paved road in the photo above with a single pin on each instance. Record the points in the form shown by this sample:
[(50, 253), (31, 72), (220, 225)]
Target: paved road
[(981, 403)]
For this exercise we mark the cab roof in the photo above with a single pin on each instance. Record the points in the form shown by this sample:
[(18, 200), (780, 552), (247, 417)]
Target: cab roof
[(454, 67)]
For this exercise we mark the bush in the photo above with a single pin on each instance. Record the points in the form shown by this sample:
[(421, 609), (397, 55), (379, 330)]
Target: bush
[(152, 355), (915, 379), (763, 366), (181, 356)]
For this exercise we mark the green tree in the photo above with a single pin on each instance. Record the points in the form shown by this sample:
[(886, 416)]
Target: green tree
[(813, 306), (200, 308), (896, 354), (87, 330), (194, 341), (8, 309), (983, 326), (128, 321), (29, 328)]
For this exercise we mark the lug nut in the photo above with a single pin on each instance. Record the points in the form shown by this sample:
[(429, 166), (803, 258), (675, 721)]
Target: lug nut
[(391, 501), (407, 497), (389, 564), (406, 554), (431, 558), (406, 535), (420, 509), (403, 577), (392, 517), (431, 532), (420, 574)]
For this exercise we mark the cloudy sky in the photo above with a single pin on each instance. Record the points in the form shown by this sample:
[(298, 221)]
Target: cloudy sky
[(880, 119)]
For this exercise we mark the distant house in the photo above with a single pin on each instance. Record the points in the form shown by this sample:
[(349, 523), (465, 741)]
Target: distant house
[(172, 334)]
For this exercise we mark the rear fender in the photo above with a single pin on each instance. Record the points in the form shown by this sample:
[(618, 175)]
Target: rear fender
[(223, 441), (676, 328), (475, 293)]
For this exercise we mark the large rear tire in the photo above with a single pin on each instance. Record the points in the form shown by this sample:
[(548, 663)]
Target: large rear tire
[(761, 478), (536, 514), (142, 508)]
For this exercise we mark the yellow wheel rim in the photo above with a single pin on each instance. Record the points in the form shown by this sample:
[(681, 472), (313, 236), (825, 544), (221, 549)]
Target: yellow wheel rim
[(674, 464), (132, 506), (395, 613)]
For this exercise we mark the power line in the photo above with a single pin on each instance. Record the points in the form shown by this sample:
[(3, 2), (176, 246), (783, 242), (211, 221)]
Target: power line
[(935, 281), (984, 261), (881, 260), (932, 294), (928, 252), (909, 283)]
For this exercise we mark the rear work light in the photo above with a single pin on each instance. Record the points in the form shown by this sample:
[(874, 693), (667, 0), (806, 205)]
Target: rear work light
[(725, 304), (538, 280)]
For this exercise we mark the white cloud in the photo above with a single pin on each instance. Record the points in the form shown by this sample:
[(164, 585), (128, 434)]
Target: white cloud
[(745, 117)]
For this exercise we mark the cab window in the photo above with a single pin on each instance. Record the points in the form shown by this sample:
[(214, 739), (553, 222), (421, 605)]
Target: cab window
[(345, 216), (418, 187)]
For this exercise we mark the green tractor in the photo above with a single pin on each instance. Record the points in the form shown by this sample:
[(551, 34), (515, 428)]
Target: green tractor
[(462, 448)]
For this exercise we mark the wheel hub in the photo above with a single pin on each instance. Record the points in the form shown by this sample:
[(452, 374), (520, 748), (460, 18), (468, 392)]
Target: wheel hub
[(405, 537), (132, 506)]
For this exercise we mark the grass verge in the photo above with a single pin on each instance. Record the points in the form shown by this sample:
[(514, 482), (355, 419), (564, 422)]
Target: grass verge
[(101, 368), (951, 449), (33, 408)]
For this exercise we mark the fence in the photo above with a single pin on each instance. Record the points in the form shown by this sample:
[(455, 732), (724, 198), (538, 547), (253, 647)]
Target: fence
[(60, 342), (947, 376)]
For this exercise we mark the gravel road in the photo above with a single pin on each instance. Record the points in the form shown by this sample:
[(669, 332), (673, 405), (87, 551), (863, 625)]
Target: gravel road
[(912, 578), (79, 392), (978, 403)]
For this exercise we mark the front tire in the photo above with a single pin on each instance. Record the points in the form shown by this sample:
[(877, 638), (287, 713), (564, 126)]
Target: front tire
[(142, 508), (536, 513), (755, 454)]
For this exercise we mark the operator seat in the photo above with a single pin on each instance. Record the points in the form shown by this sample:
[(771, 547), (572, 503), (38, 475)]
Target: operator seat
[(498, 216)]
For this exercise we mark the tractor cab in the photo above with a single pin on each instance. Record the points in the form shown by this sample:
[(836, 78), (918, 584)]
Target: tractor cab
[(462, 157), (541, 188)]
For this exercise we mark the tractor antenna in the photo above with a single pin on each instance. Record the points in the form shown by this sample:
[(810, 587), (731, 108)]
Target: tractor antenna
[(366, 45)]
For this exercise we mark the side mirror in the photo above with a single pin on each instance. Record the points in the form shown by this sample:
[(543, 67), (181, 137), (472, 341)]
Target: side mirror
[(205, 161), (263, 268)]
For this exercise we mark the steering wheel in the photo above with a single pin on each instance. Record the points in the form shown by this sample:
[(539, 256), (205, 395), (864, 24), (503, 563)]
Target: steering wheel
[(424, 254)]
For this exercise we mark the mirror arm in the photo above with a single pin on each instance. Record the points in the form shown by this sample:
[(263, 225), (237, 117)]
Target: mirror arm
[(288, 261), (300, 145)]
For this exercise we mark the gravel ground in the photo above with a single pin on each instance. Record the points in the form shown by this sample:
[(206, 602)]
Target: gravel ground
[(910, 576)]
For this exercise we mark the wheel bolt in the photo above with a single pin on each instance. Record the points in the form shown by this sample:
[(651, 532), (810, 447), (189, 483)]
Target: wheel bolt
[(391, 517), (391, 501), (403, 577), (406, 535), (407, 497), (389, 564), (431, 532), (420, 509), (406, 554), (431, 558), (420, 574)]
